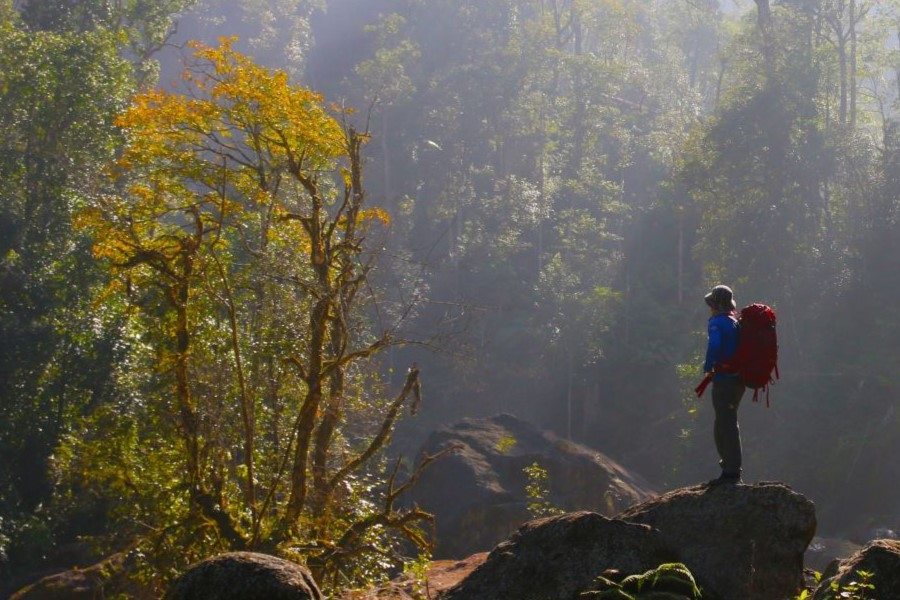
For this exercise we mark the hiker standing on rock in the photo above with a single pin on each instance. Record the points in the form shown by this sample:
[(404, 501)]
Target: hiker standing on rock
[(727, 387)]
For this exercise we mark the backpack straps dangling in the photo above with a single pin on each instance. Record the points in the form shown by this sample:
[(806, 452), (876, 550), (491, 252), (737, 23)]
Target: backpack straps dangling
[(703, 385)]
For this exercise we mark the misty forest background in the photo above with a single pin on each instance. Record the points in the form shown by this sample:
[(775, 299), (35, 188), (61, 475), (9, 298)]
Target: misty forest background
[(564, 180)]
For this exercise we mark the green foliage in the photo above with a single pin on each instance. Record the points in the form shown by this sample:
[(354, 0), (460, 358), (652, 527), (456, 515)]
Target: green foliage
[(671, 581), (141, 26), (416, 571), (28, 541), (126, 459), (385, 74), (59, 93), (277, 33), (505, 444), (861, 588), (61, 85), (235, 240), (537, 491)]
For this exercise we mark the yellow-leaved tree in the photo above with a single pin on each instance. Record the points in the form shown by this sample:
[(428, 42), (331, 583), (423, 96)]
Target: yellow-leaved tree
[(236, 242)]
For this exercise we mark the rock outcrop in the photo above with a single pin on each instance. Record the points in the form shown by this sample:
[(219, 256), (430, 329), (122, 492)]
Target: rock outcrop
[(881, 558), (559, 557), (105, 579), (478, 494), (244, 576), (739, 541)]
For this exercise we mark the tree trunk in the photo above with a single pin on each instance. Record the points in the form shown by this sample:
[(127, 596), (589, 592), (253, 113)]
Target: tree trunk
[(386, 157), (330, 420), (853, 86), (187, 413), (569, 378), (842, 58), (720, 78), (578, 125), (320, 261), (764, 14), (897, 66), (764, 21), (680, 257), (306, 419), (179, 297), (542, 187)]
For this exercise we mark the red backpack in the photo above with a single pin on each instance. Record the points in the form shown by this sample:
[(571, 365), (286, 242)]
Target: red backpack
[(756, 357)]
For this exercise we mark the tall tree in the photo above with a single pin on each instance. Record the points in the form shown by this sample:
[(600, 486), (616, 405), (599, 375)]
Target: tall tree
[(241, 235)]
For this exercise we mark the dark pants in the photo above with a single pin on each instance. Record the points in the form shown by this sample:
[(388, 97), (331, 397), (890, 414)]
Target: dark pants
[(726, 396)]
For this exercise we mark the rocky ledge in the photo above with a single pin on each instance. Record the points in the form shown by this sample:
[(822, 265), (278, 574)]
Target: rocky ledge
[(740, 541)]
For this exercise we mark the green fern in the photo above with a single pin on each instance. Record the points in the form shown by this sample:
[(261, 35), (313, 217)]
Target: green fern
[(671, 581)]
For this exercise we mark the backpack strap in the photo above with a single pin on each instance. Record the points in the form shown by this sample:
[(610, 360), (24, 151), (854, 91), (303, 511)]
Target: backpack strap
[(703, 385), (768, 397)]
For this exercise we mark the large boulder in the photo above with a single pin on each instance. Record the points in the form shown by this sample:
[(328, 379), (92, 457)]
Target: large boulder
[(245, 576), (559, 557), (881, 558), (740, 541), (477, 493)]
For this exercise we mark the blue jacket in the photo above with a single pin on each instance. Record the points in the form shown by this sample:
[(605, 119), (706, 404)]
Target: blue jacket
[(723, 341)]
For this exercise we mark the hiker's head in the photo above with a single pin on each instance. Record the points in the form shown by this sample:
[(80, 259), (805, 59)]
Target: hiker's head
[(721, 299)]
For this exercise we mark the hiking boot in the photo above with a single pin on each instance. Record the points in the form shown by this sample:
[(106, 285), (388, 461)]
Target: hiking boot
[(726, 479)]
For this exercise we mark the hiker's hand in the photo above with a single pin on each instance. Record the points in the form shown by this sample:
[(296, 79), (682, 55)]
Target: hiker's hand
[(710, 373)]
